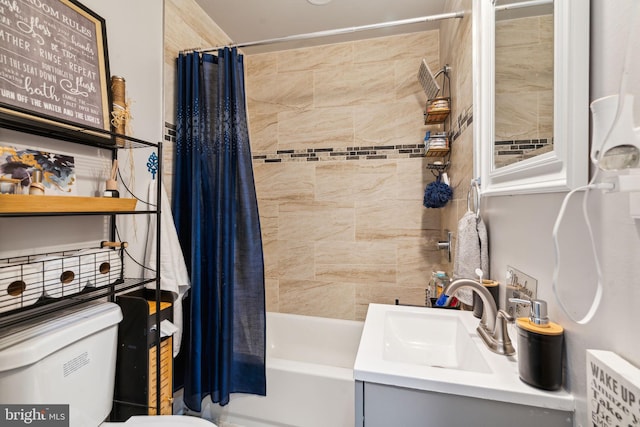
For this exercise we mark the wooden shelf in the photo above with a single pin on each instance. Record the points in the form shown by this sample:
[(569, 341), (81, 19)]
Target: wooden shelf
[(436, 152), (437, 110), (439, 150), (20, 203), (437, 116)]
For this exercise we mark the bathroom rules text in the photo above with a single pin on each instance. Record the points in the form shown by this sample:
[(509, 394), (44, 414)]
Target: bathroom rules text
[(52, 61)]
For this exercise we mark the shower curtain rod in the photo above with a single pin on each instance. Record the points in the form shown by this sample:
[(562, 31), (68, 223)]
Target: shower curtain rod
[(337, 31)]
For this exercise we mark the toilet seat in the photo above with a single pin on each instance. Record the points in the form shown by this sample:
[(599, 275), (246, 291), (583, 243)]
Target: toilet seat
[(162, 420)]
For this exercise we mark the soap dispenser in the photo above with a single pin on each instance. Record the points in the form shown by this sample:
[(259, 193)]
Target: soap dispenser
[(540, 344)]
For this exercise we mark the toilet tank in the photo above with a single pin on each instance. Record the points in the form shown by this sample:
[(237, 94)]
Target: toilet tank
[(65, 358)]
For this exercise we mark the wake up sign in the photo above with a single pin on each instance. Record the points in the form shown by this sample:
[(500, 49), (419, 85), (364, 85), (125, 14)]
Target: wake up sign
[(53, 62), (613, 390)]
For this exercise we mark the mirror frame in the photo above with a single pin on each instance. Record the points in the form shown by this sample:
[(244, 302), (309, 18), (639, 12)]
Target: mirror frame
[(567, 166)]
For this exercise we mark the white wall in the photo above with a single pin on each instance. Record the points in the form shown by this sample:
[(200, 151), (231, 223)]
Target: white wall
[(135, 33), (520, 236)]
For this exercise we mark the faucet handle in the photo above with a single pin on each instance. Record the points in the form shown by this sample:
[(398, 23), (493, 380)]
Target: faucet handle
[(501, 336), (538, 311)]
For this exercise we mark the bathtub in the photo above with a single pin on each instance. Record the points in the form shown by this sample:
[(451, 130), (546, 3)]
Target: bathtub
[(309, 377)]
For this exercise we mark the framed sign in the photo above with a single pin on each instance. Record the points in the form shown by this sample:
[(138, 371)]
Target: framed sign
[(54, 66)]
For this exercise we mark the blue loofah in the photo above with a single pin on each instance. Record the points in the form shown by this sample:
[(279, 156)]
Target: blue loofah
[(437, 194)]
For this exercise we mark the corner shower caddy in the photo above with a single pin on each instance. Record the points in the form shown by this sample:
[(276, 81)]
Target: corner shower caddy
[(438, 112), (44, 206)]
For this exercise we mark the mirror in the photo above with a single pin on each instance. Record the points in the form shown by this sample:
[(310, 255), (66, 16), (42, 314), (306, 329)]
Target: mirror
[(523, 82), (531, 103)]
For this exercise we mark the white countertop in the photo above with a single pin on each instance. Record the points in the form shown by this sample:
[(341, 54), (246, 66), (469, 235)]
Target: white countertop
[(501, 384)]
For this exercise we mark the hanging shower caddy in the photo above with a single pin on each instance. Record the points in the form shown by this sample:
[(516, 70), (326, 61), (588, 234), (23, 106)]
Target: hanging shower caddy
[(437, 112)]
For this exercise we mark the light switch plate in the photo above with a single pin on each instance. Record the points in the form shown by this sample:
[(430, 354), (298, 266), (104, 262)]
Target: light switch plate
[(519, 285)]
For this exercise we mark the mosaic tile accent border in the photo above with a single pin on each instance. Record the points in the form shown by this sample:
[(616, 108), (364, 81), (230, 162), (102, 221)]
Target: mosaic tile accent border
[(341, 153), (169, 132), (508, 152), (368, 152), (520, 146), (464, 120)]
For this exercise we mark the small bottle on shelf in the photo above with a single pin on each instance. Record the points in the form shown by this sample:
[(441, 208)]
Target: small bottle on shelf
[(112, 185)]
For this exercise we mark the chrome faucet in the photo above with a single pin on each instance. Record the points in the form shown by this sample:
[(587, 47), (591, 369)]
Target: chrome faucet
[(493, 324)]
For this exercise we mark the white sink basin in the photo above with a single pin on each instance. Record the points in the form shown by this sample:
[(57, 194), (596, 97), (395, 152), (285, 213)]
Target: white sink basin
[(439, 350), (430, 338)]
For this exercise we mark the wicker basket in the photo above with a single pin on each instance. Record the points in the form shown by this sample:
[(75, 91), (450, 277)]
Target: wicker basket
[(437, 111), (25, 280)]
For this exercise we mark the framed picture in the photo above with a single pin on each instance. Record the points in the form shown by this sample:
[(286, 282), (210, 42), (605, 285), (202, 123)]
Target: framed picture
[(54, 68)]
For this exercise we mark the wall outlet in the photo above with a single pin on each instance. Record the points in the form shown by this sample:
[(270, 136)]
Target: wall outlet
[(519, 285)]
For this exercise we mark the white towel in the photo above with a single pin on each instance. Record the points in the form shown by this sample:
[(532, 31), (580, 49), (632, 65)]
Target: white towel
[(472, 251), (173, 270)]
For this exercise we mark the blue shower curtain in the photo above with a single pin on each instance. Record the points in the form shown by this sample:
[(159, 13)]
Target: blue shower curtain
[(216, 215)]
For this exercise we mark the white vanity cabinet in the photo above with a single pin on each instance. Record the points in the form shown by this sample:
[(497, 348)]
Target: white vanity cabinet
[(379, 405)]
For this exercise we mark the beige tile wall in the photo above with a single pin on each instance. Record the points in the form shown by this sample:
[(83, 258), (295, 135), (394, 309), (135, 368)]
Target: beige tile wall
[(337, 233), (455, 48)]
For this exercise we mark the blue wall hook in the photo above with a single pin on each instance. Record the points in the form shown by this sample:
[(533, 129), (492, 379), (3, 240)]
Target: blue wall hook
[(152, 165)]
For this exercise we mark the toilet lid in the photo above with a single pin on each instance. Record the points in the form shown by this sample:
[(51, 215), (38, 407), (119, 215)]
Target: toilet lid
[(163, 420)]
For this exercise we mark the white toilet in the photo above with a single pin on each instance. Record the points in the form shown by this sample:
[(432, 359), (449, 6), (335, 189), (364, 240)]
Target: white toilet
[(69, 358)]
